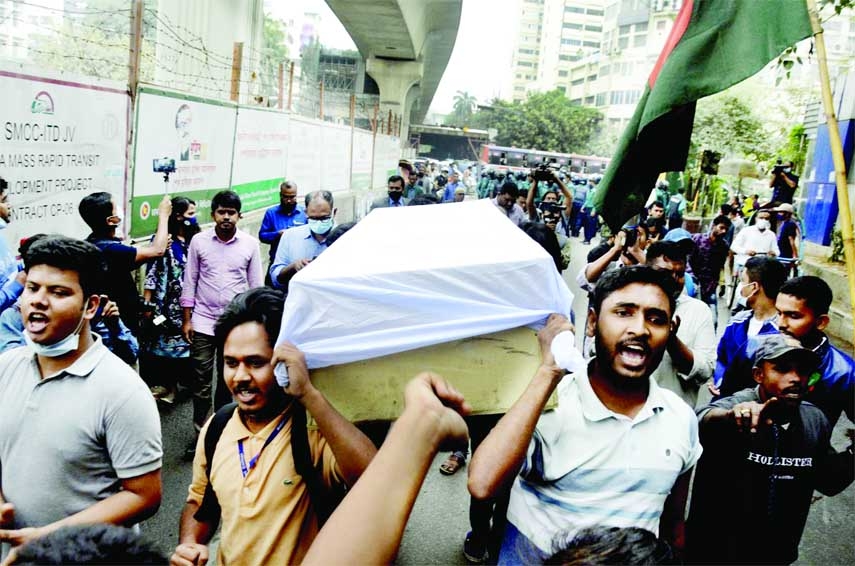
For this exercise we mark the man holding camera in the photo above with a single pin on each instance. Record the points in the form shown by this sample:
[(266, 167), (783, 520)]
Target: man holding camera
[(784, 183)]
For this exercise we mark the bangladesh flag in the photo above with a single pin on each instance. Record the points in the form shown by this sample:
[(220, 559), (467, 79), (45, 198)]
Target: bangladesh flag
[(713, 45)]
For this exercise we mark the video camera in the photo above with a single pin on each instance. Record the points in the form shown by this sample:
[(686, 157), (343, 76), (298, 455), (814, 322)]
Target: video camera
[(778, 168), (550, 207), (545, 171)]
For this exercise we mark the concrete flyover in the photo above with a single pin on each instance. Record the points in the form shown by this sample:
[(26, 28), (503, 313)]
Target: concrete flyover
[(406, 45)]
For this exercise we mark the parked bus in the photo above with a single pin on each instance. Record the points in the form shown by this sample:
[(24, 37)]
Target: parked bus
[(516, 159)]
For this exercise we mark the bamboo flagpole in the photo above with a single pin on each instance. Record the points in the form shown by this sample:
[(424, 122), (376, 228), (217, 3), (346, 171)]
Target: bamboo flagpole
[(845, 214)]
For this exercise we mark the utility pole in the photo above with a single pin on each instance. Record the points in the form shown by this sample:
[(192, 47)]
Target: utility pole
[(280, 99), (290, 86), (237, 62), (135, 50)]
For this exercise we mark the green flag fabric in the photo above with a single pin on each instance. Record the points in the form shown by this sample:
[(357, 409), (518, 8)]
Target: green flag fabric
[(713, 45)]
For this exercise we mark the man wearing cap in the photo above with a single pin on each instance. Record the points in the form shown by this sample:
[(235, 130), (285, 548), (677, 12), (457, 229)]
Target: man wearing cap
[(765, 451), (788, 234), (459, 194)]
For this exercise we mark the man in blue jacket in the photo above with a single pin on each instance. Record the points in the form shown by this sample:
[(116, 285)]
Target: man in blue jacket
[(803, 304), (758, 288)]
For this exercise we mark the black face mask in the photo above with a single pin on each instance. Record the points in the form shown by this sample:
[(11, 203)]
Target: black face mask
[(395, 195)]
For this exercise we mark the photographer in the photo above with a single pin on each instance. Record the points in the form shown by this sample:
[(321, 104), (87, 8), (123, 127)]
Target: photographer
[(784, 183), (628, 249), (550, 197)]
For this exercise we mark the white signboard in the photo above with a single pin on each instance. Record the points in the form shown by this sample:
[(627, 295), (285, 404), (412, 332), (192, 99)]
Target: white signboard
[(361, 163), (260, 156), (198, 134), (61, 140), (304, 154), (386, 155), (335, 159)]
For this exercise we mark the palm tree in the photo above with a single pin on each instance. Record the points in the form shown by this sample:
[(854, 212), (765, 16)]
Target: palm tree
[(464, 108)]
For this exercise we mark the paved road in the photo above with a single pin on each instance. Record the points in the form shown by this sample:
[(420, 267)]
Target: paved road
[(439, 521)]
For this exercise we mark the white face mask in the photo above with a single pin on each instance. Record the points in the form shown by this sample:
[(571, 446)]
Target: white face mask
[(741, 300), (763, 224), (57, 349), (118, 215)]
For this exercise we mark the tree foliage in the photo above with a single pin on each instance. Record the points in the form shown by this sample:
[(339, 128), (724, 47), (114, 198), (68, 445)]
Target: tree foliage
[(463, 111), (545, 121), (273, 52), (727, 125), (94, 44)]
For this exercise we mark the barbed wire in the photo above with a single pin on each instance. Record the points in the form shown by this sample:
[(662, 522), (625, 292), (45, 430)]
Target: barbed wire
[(92, 12)]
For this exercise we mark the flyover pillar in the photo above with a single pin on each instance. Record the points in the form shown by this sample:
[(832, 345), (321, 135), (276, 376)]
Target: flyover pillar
[(396, 80)]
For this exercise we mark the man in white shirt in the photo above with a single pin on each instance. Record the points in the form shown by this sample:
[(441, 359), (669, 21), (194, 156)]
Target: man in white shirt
[(755, 239), (618, 450)]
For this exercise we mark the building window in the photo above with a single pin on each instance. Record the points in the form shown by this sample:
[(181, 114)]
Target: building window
[(562, 73), (591, 78), (577, 82), (604, 70), (596, 29), (601, 99), (623, 43), (519, 88), (565, 58), (641, 27), (570, 25), (589, 100), (525, 64), (660, 25), (639, 41), (574, 10), (594, 12), (566, 41), (594, 44), (562, 89), (624, 30), (576, 101)]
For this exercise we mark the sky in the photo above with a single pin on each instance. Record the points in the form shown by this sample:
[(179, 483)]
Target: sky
[(481, 58)]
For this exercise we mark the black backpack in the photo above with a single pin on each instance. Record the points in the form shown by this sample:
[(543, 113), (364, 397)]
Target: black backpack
[(324, 501)]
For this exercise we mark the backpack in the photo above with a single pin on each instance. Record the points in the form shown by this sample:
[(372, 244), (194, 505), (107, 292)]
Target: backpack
[(323, 501), (674, 206)]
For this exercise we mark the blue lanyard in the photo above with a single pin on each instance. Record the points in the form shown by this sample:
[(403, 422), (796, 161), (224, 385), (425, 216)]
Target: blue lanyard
[(244, 469)]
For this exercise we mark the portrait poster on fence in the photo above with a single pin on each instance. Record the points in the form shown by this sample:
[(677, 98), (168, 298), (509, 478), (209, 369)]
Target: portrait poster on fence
[(198, 134)]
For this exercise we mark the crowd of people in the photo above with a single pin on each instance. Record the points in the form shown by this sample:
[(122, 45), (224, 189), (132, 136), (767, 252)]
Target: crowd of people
[(651, 407)]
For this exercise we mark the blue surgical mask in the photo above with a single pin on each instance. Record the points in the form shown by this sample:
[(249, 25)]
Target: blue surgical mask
[(320, 227), (192, 221), (57, 349)]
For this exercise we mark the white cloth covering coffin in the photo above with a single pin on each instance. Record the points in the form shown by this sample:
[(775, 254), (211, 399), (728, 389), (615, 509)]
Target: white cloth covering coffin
[(405, 278)]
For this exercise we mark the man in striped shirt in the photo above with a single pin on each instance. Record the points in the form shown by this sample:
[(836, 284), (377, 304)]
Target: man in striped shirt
[(618, 450)]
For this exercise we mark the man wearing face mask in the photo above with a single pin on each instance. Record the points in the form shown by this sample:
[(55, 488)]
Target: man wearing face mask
[(95, 459), (299, 246), (11, 280), (754, 240), (760, 282), (104, 216), (395, 196), (279, 218)]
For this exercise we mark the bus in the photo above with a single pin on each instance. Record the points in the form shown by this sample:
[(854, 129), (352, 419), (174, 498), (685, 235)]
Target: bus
[(518, 160)]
